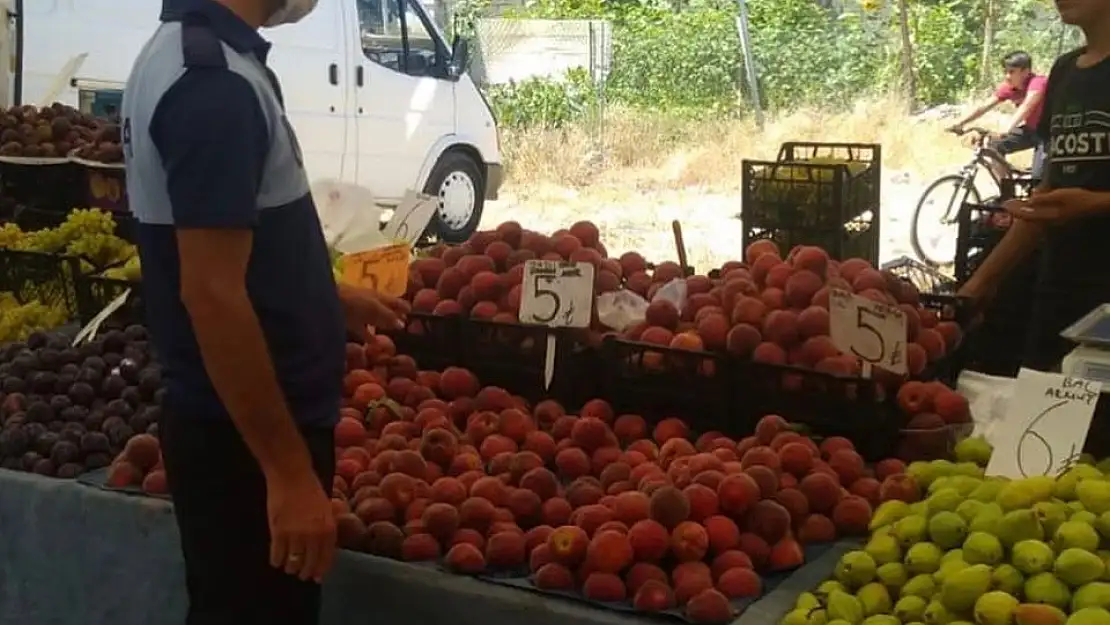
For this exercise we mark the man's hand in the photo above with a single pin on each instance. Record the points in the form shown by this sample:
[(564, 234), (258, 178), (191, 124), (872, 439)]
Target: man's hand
[(365, 308), (956, 129), (302, 526), (1058, 205)]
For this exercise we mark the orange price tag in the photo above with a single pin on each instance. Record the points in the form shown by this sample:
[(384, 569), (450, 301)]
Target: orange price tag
[(384, 269)]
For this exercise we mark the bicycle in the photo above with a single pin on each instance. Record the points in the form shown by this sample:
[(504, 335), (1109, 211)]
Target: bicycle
[(958, 189)]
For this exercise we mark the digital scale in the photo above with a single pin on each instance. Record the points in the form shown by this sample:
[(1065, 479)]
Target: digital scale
[(1091, 358)]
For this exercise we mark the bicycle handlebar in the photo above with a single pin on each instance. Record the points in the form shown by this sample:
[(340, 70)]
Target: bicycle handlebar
[(972, 129)]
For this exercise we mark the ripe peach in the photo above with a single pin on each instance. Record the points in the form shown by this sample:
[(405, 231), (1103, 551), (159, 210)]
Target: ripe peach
[(723, 533), (554, 576), (556, 512), (728, 560), (800, 288), (740, 583), (757, 549), (505, 550), (609, 552), (703, 501), (419, 548), (781, 327), (649, 539), (821, 490), (669, 506), (465, 559), (631, 506), (605, 587), (642, 572), (662, 313), (899, 486), (765, 477), (689, 541), (670, 428), (708, 606), (736, 493), (847, 464), (572, 463), (770, 353)]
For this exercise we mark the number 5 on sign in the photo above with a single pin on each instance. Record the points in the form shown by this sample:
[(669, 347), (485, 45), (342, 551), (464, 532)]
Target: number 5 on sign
[(385, 269), (872, 331), (556, 294)]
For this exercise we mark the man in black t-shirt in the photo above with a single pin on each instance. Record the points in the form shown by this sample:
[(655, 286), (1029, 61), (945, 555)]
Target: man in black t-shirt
[(1068, 215)]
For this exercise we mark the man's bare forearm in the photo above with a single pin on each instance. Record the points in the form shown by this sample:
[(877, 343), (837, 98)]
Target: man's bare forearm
[(239, 365)]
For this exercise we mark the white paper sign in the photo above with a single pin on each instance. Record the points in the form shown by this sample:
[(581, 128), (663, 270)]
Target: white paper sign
[(1044, 430), (411, 218), (557, 294), (872, 331), (90, 329)]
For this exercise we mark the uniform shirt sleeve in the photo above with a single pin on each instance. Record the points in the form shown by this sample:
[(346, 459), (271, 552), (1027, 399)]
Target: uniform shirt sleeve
[(212, 136), (1004, 92)]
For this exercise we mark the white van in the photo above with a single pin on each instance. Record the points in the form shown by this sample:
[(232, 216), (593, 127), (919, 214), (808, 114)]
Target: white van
[(376, 94)]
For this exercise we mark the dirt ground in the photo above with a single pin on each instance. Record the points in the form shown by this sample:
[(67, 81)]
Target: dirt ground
[(645, 171)]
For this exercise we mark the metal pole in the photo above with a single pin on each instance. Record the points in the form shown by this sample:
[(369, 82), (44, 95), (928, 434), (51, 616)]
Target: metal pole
[(749, 60)]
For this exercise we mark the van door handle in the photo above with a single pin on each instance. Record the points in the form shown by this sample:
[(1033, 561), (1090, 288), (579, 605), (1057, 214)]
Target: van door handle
[(358, 76), (333, 74)]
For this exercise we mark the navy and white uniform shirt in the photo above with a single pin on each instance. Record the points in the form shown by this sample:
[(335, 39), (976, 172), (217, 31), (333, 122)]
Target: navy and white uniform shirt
[(207, 145)]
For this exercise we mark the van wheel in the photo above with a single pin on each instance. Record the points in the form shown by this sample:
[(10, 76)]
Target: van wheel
[(458, 183)]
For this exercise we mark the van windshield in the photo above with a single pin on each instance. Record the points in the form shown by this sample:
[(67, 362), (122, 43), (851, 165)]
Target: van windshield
[(412, 45)]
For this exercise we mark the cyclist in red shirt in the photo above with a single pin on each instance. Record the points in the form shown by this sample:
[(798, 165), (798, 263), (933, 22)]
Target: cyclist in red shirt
[(1025, 90)]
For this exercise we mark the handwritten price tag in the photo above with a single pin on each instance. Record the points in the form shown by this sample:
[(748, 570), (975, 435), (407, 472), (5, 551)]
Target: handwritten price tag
[(557, 295), (411, 218), (874, 332), (385, 269), (1045, 427)]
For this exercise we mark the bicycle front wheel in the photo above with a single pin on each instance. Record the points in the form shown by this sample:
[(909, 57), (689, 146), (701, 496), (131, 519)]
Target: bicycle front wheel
[(935, 227)]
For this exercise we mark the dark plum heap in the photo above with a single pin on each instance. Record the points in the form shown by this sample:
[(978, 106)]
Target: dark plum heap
[(70, 409)]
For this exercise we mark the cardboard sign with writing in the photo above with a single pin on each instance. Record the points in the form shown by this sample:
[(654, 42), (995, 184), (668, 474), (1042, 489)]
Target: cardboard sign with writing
[(385, 269), (1045, 427), (872, 331)]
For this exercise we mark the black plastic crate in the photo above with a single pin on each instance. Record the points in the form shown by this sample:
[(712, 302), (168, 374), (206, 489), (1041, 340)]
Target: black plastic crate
[(513, 356), (825, 194), (980, 229), (94, 293), (858, 409), (660, 382), (856, 239), (434, 341), (958, 310), (52, 185), (997, 341), (925, 278), (38, 276)]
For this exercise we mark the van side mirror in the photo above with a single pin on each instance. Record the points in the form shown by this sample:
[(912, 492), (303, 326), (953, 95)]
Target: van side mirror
[(460, 56)]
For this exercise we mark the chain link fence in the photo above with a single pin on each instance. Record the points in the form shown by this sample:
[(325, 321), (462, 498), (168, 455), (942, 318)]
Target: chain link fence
[(512, 51)]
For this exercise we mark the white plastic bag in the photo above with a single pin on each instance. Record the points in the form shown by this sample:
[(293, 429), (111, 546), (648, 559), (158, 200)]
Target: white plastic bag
[(988, 397), (621, 309), (674, 292), (350, 216)]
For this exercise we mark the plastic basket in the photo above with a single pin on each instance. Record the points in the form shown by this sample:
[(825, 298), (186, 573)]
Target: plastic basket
[(981, 227), (94, 293), (825, 194), (959, 311), (513, 356), (434, 341), (659, 382), (925, 278), (827, 405), (55, 184), (38, 276)]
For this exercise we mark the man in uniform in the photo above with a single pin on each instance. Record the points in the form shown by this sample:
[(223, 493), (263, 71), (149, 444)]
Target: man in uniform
[(244, 311)]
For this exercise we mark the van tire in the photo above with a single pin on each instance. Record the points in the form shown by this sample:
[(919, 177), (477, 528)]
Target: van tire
[(456, 168)]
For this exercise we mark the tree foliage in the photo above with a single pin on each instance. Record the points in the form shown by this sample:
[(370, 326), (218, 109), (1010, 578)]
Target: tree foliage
[(683, 56)]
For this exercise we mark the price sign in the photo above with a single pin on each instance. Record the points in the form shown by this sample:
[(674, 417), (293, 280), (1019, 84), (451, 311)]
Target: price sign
[(557, 295), (93, 326), (385, 269), (1045, 427), (411, 218), (872, 331)]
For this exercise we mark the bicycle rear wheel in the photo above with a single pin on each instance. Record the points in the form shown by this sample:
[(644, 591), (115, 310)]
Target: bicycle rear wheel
[(935, 224)]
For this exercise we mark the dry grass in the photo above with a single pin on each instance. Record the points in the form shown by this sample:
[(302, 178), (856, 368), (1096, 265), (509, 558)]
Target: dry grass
[(643, 171), (652, 152)]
